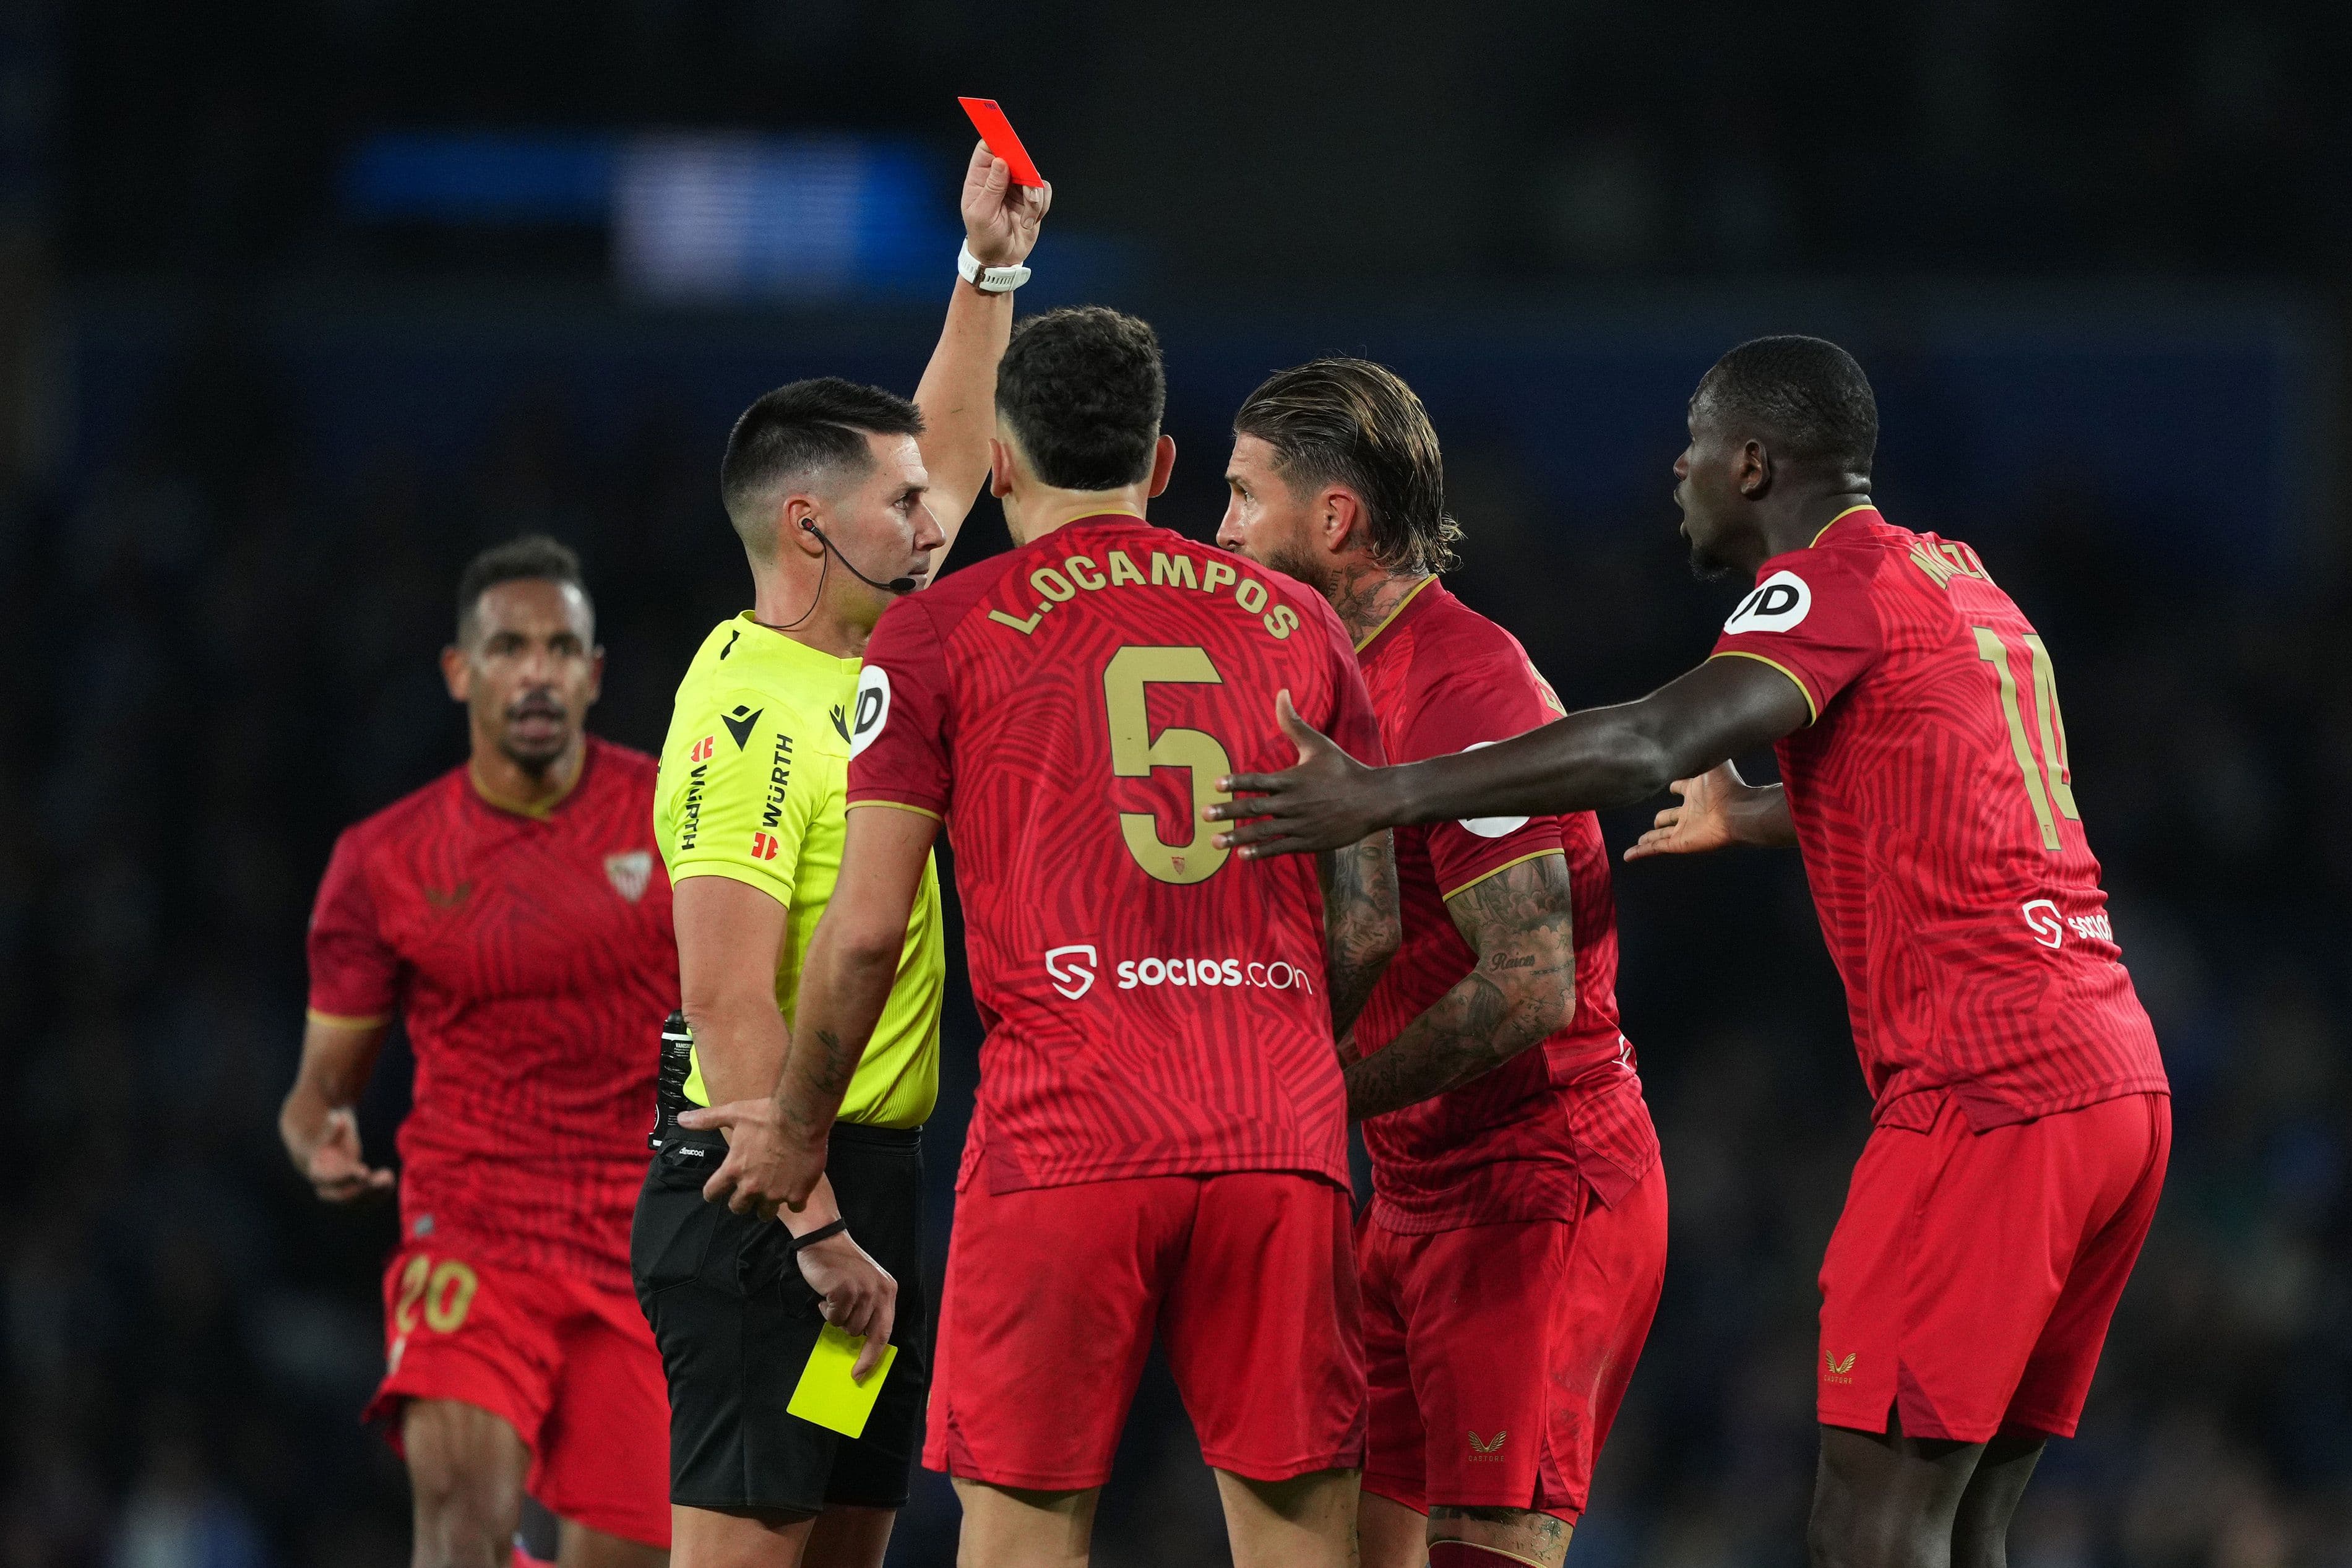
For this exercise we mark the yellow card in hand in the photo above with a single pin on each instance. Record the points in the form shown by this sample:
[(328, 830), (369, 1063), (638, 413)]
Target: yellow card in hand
[(826, 1395)]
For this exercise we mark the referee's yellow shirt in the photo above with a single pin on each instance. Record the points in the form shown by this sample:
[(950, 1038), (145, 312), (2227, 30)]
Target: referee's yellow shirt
[(751, 782)]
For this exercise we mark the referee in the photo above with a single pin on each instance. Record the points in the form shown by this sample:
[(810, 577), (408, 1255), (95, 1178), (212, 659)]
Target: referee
[(845, 497)]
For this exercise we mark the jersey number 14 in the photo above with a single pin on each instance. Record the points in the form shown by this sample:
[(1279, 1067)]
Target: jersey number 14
[(2047, 776)]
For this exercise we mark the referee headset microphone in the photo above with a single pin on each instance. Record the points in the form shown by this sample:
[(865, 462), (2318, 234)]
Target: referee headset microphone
[(833, 553), (895, 585)]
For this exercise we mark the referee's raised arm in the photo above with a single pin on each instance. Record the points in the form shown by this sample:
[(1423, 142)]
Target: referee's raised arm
[(957, 391)]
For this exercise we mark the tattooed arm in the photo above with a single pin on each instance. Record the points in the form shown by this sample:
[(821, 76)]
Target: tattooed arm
[(777, 1146), (1363, 926), (1522, 989)]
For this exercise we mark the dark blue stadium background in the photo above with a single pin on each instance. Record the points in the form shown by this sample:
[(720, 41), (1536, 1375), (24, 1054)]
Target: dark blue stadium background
[(250, 427)]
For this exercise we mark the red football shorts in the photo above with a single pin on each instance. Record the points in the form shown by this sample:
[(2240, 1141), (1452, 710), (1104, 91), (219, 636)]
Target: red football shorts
[(1498, 1354), (569, 1366), (1053, 1294), (1971, 1279)]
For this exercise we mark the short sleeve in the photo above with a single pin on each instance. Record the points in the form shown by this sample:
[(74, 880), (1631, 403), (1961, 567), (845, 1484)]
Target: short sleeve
[(745, 797), (1492, 700), (898, 742), (355, 972), (1809, 616)]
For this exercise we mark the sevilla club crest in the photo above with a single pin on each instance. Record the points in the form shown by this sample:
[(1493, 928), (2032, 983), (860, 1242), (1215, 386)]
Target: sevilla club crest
[(630, 873)]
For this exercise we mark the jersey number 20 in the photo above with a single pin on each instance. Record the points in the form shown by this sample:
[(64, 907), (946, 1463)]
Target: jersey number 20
[(1134, 750), (2051, 769)]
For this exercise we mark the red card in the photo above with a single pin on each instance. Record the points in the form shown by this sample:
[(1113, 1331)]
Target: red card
[(997, 131)]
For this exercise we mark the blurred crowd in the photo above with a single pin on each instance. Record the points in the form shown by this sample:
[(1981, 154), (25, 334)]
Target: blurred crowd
[(1349, 143), (216, 651)]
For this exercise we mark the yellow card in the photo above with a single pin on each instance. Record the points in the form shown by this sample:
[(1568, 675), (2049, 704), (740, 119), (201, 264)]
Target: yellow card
[(826, 1395)]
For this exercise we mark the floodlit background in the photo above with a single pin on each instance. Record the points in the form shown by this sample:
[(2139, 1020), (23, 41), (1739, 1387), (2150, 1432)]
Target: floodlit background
[(303, 303)]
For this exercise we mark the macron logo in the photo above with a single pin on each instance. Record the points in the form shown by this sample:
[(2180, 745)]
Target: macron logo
[(1072, 968)]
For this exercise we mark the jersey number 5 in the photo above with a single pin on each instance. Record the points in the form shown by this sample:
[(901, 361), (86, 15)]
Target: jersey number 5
[(1134, 750), (2051, 768)]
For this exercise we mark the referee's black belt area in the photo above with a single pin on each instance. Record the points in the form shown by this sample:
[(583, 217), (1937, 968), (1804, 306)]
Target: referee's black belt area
[(864, 1135)]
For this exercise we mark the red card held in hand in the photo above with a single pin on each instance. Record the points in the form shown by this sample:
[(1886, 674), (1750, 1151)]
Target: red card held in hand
[(997, 131)]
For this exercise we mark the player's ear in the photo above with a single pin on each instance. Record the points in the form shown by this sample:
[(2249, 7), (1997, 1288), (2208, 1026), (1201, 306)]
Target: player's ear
[(457, 670), (1753, 471), (1343, 517), (1163, 464), (1000, 468), (596, 673)]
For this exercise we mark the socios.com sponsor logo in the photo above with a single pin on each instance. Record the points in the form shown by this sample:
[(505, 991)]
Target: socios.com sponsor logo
[(1071, 969), (1278, 976)]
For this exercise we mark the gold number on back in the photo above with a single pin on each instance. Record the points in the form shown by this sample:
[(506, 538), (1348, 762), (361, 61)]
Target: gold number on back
[(1134, 752), (2048, 780)]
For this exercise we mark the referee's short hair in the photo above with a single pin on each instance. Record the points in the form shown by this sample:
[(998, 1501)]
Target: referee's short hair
[(531, 557), (804, 433), (1806, 394), (1082, 388)]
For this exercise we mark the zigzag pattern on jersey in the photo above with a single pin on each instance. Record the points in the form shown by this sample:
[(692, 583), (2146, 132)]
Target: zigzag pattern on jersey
[(1141, 1078), (531, 988), (1524, 1140), (1923, 845)]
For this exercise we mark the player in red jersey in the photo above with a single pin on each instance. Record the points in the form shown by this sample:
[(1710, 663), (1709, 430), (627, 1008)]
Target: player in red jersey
[(2022, 1120), (1160, 1138), (513, 912), (1510, 1144)]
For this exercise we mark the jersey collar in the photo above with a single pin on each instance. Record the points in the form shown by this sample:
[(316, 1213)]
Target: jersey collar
[(1870, 506), (764, 641), (1413, 596), (541, 812)]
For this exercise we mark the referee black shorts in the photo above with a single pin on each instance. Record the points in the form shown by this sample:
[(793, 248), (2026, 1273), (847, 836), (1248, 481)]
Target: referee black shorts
[(736, 1323)]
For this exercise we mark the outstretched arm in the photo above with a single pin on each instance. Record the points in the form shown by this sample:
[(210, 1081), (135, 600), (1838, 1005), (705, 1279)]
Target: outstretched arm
[(1362, 925), (1523, 988), (1600, 756), (957, 391)]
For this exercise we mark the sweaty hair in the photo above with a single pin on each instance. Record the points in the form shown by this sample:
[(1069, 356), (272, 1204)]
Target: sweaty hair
[(798, 432), (1082, 389), (1350, 422), (532, 557), (1808, 393)]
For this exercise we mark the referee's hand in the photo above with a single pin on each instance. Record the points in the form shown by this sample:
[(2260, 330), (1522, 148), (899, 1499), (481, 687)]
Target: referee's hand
[(766, 1167), (856, 1294)]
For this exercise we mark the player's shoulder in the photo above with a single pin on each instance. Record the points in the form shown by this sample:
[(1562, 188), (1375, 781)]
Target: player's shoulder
[(1452, 645), (622, 767), (948, 600), (1470, 667), (1453, 631), (422, 810)]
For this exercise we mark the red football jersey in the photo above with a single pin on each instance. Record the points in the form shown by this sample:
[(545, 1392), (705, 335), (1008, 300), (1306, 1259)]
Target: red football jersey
[(1154, 1006), (1936, 811), (1526, 1141), (533, 961)]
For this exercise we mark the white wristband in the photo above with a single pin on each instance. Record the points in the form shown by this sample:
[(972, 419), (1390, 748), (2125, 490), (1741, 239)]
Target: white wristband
[(989, 280)]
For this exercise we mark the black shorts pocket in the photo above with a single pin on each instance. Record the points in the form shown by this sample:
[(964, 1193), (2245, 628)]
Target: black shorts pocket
[(671, 1235)]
